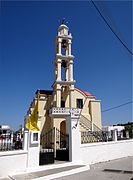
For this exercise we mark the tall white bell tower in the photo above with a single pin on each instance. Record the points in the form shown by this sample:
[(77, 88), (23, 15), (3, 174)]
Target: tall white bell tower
[(63, 112), (63, 67)]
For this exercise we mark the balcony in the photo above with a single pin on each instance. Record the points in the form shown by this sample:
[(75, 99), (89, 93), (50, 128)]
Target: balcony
[(55, 111)]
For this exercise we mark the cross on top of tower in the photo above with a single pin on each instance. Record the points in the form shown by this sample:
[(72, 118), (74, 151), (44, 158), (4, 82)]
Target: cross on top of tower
[(63, 21)]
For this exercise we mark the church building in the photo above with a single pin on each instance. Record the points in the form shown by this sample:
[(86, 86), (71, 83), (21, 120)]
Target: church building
[(64, 98)]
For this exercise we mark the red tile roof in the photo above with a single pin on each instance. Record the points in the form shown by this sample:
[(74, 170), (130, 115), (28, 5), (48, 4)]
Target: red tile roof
[(85, 93)]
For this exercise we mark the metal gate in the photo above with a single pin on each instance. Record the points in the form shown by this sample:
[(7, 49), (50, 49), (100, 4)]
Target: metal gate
[(47, 148), (62, 146), (54, 145)]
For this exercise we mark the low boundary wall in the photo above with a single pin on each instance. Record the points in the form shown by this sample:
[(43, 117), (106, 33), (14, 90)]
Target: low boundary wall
[(16, 161), (12, 161), (100, 152)]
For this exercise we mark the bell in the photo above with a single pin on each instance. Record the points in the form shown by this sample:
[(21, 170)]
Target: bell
[(64, 43)]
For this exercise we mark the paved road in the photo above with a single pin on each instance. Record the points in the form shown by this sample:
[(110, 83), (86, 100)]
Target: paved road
[(121, 169)]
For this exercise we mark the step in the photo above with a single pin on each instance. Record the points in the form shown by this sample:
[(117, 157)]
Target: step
[(51, 172)]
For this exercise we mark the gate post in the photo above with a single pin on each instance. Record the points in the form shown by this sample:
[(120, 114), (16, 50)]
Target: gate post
[(33, 149), (72, 127), (25, 141), (114, 135)]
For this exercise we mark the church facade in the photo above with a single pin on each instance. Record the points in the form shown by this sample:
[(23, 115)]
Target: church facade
[(64, 98)]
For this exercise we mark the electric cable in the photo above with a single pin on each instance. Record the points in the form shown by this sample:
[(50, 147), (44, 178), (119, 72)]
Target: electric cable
[(117, 106), (111, 28)]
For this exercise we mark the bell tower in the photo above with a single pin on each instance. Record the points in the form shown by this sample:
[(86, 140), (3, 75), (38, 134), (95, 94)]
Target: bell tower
[(63, 69), (64, 113)]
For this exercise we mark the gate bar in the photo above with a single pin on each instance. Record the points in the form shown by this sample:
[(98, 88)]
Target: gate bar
[(54, 142)]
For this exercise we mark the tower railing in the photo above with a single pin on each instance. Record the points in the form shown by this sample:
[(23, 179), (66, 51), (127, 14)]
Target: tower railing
[(64, 111)]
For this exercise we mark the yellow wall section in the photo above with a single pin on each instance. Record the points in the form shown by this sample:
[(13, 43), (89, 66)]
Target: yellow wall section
[(91, 110)]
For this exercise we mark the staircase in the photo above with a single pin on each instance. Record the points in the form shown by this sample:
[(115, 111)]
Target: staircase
[(92, 133), (87, 124), (96, 128)]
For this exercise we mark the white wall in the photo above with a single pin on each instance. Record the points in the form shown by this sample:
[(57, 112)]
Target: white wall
[(33, 157), (12, 161), (99, 152)]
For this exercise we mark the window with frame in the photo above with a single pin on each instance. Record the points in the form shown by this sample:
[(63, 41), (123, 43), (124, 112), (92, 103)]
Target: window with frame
[(35, 136), (79, 103)]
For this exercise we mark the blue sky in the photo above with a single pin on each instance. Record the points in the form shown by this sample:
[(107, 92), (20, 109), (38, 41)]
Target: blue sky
[(102, 65)]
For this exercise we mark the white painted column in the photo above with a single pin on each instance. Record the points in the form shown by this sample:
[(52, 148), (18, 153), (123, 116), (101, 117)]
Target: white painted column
[(55, 71), (12, 137), (54, 99), (115, 135), (127, 134), (67, 74), (25, 140), (59, 70), (71, 70), (67, 51), (33, 149), (71, 96), (69, 48), (72, 127), (59, 46), (58, 96)]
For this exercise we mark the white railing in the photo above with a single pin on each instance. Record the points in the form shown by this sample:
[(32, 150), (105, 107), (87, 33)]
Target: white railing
[(9, 145), (65, 111)]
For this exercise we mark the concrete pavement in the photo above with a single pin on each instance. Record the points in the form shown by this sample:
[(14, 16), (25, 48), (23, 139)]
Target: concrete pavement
[(120, 169), (46, 172), (49, 174)]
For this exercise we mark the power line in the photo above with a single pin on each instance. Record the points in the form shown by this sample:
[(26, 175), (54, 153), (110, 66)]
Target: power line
[(118, 106), (111, 28)]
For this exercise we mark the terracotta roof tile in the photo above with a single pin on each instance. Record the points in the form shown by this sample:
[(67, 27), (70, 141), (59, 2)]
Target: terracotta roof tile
[(85, 93)]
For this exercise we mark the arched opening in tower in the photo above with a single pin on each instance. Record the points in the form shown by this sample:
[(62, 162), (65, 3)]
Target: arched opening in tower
[(63, 70), (64, 45)]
